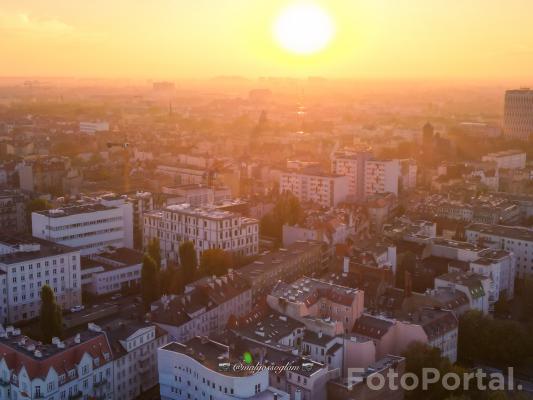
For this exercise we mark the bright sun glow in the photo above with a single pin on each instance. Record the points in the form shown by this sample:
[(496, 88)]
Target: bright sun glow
[(303, 29)]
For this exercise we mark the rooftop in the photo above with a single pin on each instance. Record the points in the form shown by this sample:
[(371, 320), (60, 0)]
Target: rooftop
[(74, 210), (272, 259), (208, 353), (309, 291), (24, 248), (20, 351), (512, 232)]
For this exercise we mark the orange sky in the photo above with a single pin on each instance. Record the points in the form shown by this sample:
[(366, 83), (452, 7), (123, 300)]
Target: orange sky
[(174, 39)]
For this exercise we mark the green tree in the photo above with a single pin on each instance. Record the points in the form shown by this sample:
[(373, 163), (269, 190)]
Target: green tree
[(171, 280), (51, 320), (419, 356), (287, 210), (154, 251), (484, 339), (149, 281), (188, 261), (215, 262)]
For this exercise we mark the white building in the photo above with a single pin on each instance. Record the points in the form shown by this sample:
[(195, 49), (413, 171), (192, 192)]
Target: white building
[(352, 165), (80, 367), (193, 370), (514, 239), (207, 228), (508, 159), (382, 176), (91, 228), (518, 114), (26, 265), (134, 345), (326, 190), (408, 173), (93, 127), (113, 271), (499, 266), (476, 288)]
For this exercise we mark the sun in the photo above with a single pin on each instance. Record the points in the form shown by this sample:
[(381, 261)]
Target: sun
[(304, 28)]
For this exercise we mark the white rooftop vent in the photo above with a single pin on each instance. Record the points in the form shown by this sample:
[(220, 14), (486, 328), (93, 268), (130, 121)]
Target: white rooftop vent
[(38, 354)]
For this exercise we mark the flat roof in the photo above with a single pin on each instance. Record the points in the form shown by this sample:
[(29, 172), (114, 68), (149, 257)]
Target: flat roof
[(74, 210), (45, 248), (512, 232)]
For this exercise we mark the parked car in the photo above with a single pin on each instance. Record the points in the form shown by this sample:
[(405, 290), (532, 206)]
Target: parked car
[(77, 309)]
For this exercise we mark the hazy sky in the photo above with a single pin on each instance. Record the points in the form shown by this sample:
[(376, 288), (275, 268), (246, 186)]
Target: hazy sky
[(172, 39)]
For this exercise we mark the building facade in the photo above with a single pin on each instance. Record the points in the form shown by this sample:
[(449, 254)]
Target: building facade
[(382, 176), (80, 367), (514, 239), (518, 114), (91, 228), (326, 190), (27, 264), (352, 165), (207, 228), (191, 371)]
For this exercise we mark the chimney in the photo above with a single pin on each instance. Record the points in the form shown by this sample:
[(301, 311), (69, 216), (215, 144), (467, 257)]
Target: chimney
[(408, 284), (346, 265), (320, 334)]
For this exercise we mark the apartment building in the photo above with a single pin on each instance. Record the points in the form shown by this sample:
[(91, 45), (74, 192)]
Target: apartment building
[(507, 159), (26, 265), (325, 190), (514, 239), (89, 227), (134, 346), (408, 175), (194, 370), (13, 211), (476, 287), (142, 202), (352, 164), (313, 298), (435, 327), (207, 228), (80, 367), (382, 176), (204, 308), (286, 264), (43, 174), (499, 266)]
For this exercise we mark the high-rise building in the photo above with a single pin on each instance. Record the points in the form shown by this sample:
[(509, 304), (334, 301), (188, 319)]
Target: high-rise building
[(382, 176), (352, 165), (518, 114), (326, 190)]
